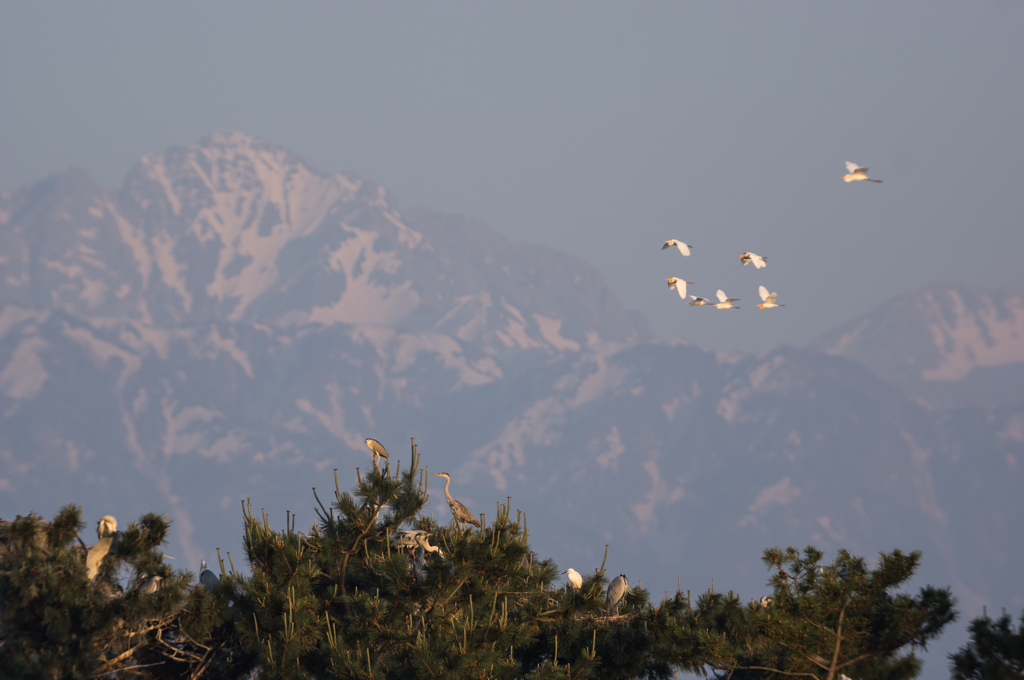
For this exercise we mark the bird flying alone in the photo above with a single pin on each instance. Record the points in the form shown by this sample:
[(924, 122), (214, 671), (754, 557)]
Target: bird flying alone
[(758, 261), (857, 173), (725, 302), (683, 248), (769, 298), (678, 285)]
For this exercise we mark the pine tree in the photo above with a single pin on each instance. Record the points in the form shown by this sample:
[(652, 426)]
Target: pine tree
[(57, 622), (348, 599), (343, 601), (823, 621), (994, 652)]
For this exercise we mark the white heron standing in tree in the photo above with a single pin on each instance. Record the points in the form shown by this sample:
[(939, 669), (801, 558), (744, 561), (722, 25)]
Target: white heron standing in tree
[(617, 590), (459, 511), (857, 174), (378, 451), (106, 526), (574, 578), (95, 556), (207, 577), (683, 248)]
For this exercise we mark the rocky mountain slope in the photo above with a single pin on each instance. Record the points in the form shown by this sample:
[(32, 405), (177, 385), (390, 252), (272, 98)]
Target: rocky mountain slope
[(231, 324)]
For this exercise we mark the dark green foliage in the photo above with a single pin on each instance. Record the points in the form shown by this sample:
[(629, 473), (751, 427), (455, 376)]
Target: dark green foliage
[(995, 651), (827, 620), (57, 623), (344, 601)]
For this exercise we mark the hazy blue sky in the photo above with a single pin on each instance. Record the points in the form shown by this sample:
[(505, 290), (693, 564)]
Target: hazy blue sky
[(596, 128)]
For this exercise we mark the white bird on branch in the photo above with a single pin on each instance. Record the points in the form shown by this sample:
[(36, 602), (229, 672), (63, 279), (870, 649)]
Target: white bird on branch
[(574, 578), (106, 526)]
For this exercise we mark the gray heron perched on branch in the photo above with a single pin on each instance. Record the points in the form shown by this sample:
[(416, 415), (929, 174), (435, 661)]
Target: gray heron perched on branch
[(150, 585), (207, 577), (406, 539), (419, 562), (460, 512), (617, 590), (378, 450)]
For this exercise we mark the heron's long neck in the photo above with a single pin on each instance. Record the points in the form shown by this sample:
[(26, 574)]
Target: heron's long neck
[(447, 481)]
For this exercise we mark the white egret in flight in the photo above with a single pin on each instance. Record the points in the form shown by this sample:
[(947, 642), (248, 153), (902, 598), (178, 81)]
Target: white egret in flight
[(725, 302), (769, 298), (683, 248), (678, 285), (758, 261), (697, 301), (857, 173)]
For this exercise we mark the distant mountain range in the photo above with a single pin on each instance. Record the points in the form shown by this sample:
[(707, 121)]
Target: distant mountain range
[(231, 323)]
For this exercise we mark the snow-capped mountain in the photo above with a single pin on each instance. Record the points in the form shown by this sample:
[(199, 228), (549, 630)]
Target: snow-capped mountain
[(231, 323), (946, 344)]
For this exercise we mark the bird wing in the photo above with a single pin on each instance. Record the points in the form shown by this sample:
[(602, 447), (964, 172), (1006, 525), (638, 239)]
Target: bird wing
[(463, 514), (763, 292), (671, 283), (668, 244), (683, 248), (771, 298), (681, 288), (721, 295), (851, 167)]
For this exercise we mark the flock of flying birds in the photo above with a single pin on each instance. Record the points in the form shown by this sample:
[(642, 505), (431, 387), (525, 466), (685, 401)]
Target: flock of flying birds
[(854, 173)]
